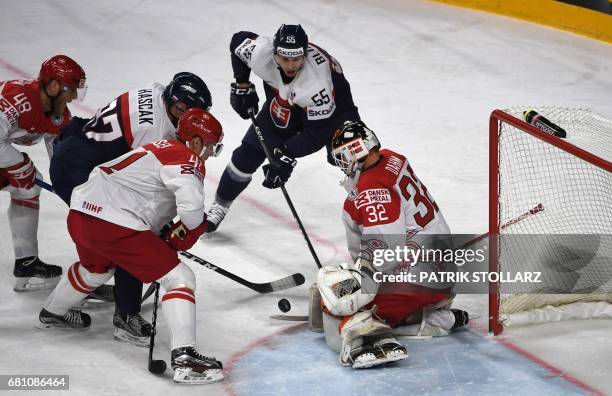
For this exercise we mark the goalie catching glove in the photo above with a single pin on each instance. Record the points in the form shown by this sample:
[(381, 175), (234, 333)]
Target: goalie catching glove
[(341, 290), (179, 237)]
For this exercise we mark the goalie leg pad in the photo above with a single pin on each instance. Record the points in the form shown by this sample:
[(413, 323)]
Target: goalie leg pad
[(436, 323), (331, 326)]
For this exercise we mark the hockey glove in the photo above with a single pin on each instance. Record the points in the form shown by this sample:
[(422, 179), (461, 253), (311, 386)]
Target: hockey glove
[(244, 101), (340, 288), (21, 175), (181, 238), (279, 169)]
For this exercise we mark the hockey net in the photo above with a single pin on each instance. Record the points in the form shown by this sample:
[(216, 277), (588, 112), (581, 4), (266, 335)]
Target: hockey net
[(560, 189)]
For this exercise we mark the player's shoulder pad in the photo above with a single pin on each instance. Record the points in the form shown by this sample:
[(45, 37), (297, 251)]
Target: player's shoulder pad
[(19, 98), (243, 44), (321, 59), (384, 174), (170, 152)]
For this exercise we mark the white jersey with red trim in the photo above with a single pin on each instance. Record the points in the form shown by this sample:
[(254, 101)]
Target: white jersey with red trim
[(390, 205), (312, 89), (146, 188), (135, 118)]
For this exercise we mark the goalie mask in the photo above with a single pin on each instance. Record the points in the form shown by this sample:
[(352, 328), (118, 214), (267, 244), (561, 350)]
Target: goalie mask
[(351, 144)]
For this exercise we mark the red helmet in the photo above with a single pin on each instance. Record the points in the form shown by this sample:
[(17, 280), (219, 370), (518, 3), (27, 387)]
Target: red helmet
[(63, 69), (199, 122)]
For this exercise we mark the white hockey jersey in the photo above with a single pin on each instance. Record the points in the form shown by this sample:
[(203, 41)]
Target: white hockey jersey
[(133, 119), (389, 209), (312, 89), (146, 188)]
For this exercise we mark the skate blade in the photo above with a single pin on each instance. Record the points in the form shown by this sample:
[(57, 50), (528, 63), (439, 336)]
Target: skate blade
[(58, 327), (186, 376), (389, 358), (33, 283), (124, 336)]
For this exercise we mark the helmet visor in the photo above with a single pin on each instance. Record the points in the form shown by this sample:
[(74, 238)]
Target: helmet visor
[(80, 90)]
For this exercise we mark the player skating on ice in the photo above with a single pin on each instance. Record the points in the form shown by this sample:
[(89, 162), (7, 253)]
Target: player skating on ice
[(29, 111), (133, 119), (387, 207), (116, 217), (307, 99)]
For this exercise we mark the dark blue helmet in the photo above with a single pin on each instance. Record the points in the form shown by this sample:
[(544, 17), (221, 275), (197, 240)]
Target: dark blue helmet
[(190, 89), (290, 41)]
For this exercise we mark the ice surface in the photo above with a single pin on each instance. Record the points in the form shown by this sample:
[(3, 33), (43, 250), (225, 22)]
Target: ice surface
[(425, 77)]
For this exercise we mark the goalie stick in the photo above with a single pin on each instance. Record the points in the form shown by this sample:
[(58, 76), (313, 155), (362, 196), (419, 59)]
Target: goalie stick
[(291, 318), (267, 287)]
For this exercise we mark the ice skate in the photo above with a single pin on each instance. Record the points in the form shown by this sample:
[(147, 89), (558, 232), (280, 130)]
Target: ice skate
[(71, 320), (381, 352), (215, 216), (32, 274), (192, 368), (132, 328)]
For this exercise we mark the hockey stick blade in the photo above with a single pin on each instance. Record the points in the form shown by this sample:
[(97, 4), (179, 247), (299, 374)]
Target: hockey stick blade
[(291, 318), (287, 282)]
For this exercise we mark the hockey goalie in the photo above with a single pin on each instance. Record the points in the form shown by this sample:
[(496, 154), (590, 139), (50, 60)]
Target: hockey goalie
[(387, 208)]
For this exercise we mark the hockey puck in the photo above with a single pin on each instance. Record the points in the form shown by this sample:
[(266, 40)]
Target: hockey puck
[(157, 366), (284, 305)]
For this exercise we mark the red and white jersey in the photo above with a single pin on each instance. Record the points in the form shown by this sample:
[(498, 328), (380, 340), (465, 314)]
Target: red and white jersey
[(136, 117), (312, 89), (146, 188), (390, 204), (22, 119)]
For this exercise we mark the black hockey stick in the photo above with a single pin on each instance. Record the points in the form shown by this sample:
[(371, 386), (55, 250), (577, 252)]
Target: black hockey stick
[(155, 366), (264, 146), (268, 287)]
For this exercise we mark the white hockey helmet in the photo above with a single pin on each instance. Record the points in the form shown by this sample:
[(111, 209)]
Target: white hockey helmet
[(351, 144)]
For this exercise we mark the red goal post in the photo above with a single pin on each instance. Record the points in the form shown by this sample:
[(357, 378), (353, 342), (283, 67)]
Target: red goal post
[(524, 159)]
